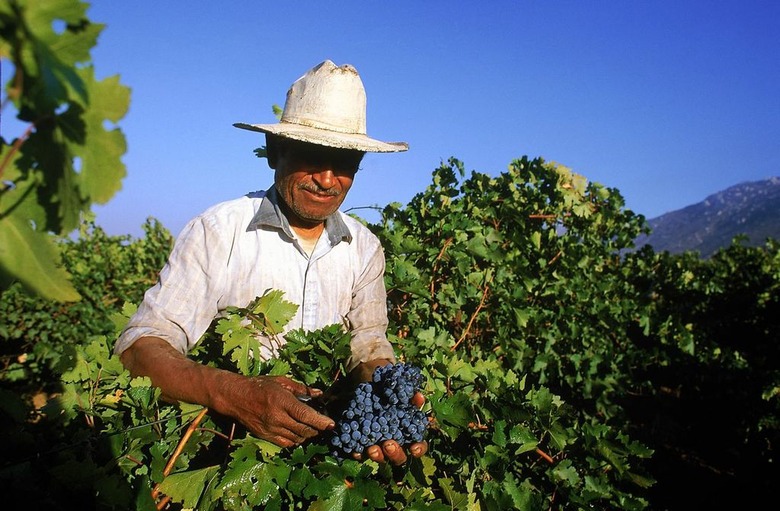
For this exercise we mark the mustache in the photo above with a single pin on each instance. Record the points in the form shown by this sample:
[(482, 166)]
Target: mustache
[(313, 188)]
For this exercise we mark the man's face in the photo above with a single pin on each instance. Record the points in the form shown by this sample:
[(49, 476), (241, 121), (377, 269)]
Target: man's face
[(314, 180)]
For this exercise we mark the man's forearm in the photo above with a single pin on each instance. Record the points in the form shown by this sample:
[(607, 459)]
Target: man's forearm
[(178, 377), (267, 405)]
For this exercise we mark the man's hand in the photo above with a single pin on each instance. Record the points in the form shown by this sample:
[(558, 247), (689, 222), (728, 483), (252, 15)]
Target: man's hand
[(389, 450), (269, 407)]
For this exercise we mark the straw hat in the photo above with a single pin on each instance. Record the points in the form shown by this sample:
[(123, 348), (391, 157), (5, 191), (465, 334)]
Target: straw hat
[(327, 106)]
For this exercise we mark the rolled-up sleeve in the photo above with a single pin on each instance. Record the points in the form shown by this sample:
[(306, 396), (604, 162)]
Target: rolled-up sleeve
[(368, 314), (183, 303)]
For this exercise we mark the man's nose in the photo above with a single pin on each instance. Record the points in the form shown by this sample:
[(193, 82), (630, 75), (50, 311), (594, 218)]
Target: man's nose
[(324, 177)]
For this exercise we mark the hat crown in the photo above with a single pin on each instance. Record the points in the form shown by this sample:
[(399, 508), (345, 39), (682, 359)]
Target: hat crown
[(327, 106), (328, 97)]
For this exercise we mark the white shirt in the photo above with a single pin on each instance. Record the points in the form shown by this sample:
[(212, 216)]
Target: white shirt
[(237, 250)]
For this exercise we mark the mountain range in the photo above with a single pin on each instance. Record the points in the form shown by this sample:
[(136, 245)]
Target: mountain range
[(751, 209)]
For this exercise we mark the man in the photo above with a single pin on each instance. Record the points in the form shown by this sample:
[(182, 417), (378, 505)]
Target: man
[(291, 238)]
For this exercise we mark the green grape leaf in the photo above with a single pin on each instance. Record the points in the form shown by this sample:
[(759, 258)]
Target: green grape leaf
[(276, 367), (302, 482), (422, 470), (499, 436), (349, 494), (187, 487), (458, 368), (565, 472), (274, 311), (100, 152), (317, 357), (522, 495), (34, 259), (249, 478), (454, 410), (456, 499), (50, 60), (522, 435), (241, 343)]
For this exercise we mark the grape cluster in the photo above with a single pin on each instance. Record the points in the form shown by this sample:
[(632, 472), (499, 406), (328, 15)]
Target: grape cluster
[(382, 410)]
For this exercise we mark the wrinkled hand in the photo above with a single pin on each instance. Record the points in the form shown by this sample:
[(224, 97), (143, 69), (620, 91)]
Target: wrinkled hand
[(269, 407), (389, 450)]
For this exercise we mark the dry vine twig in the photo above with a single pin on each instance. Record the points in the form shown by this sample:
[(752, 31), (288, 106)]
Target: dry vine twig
[(544, 455), (179, 448), (473, 317), (16, 147), (447, 243), (555, 258)]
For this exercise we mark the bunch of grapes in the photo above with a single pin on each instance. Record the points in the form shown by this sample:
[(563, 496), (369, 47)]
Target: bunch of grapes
[(382, 410)]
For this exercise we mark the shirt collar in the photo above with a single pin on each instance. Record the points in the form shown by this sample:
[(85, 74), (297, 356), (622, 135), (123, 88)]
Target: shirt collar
[(270, 215)]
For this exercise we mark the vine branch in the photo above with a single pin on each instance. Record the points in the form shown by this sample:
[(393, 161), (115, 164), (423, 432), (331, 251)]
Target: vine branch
[(179, 448), (473, 317), (555, 258), (447, 243), (545, 456), (17, 145)]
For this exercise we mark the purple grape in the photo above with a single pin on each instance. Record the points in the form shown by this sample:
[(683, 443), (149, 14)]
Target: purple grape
[(381, 410)]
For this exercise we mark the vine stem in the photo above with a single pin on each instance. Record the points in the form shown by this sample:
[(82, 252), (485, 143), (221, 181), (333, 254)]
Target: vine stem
[(447, 243), (216, 433), (544, 455), (473, 317), (545, 216), (557, 256), (17, 145), (179, 448), (134, 460)]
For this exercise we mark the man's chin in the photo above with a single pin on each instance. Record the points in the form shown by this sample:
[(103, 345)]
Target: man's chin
[(313, 218)]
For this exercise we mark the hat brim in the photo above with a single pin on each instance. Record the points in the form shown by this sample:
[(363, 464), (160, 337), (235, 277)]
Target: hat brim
[(327, 138)]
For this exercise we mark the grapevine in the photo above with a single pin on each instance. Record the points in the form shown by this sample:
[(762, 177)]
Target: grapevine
[(541, 351)]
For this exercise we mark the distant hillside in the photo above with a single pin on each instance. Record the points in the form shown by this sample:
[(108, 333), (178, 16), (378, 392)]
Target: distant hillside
[(751, 208)]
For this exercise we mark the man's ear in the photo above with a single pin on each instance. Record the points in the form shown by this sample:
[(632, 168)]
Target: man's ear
[(271, 150)]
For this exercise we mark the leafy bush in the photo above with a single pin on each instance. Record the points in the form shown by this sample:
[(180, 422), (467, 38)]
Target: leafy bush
[(563, 369), (52, 442), (511, 290), (709, 354), (107, 271)]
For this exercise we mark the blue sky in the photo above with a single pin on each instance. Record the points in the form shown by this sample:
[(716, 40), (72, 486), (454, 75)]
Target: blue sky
[(667, 101)]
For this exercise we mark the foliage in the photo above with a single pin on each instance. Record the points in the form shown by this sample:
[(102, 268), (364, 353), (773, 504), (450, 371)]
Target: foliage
[(144, 432), (107, 271), (525, 266), (564, 370), (66, 158), (55, 443), (506, 287), (709, 347)]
